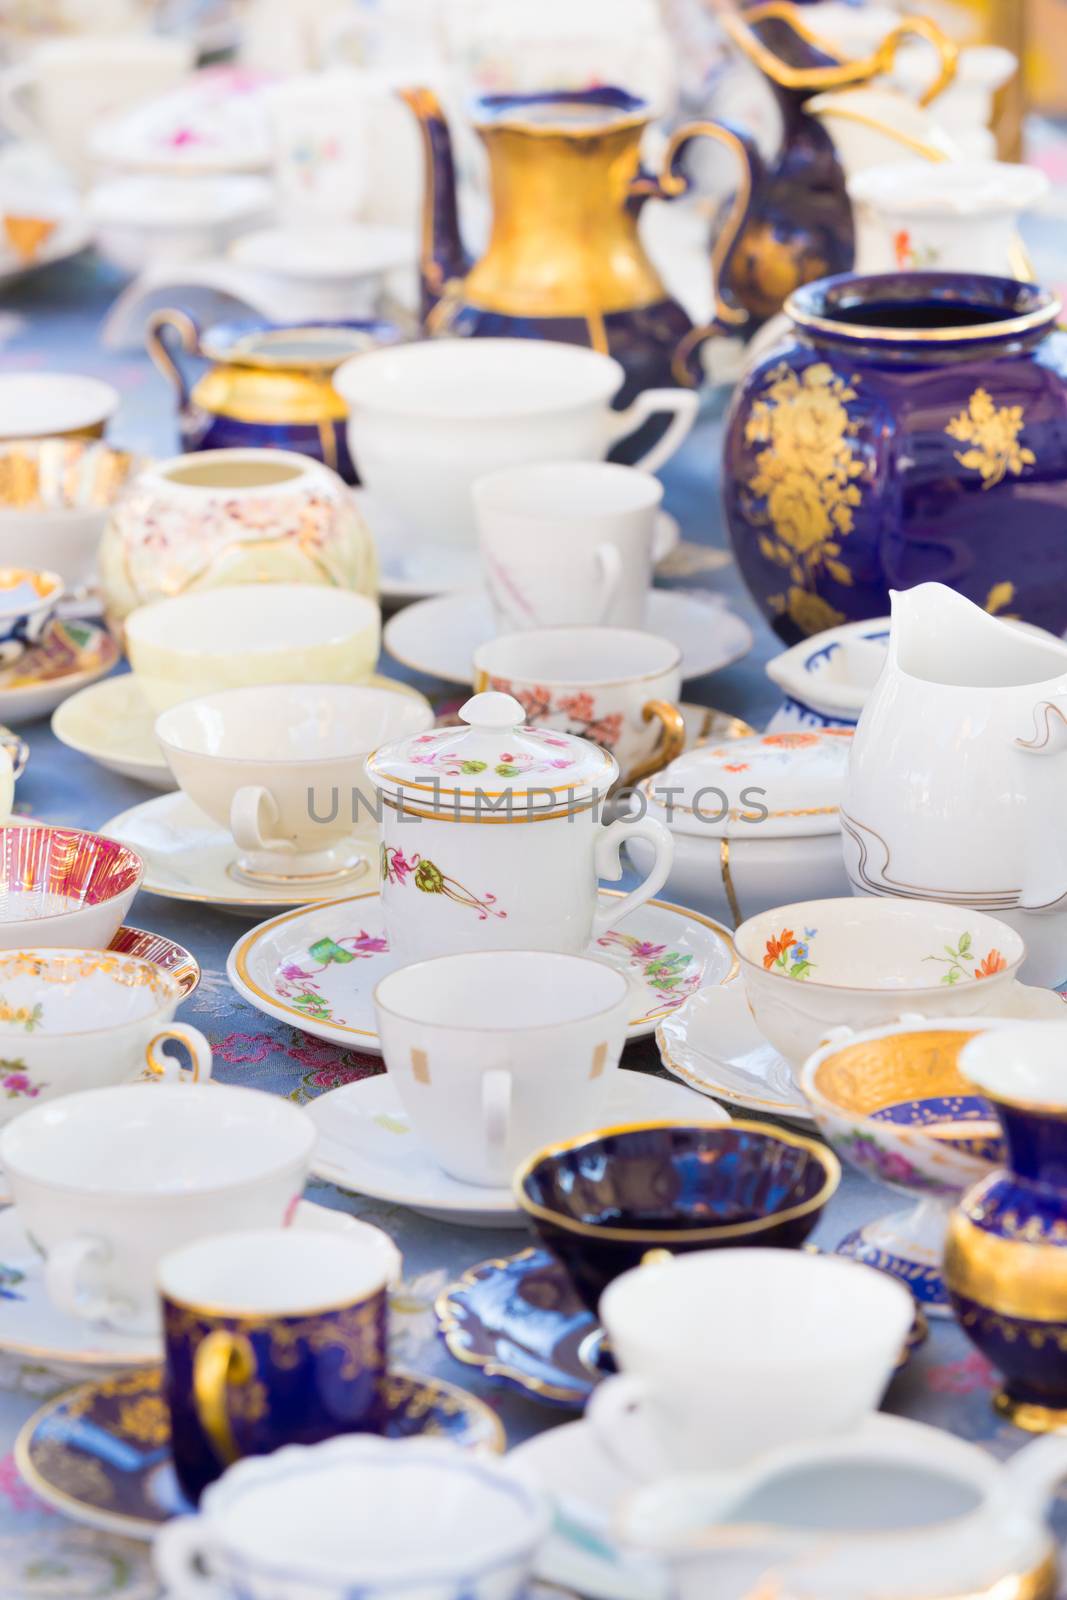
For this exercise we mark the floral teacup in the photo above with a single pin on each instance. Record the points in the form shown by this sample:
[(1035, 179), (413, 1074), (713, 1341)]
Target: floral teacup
[(822, 965)]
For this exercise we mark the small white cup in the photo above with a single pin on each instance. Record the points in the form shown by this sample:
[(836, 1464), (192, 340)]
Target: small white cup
[(282, 768), (496, 1053), (727, 1354), (572, 542), (614, 686), (462, 408), (109, 1181)]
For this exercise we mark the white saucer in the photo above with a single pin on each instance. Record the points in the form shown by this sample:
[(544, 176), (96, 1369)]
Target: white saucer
[(585, 1486), (187, 856), (316, 968), (32, 1328), (113, 724), (439, 637), (714, 1046), (416, 569), (71, 653), (366, 1146)]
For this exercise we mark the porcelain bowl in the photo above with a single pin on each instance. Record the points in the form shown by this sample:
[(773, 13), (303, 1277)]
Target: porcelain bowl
[(83, 1019), (45, 405), (335, 1519), (54, 501), (325, 271), (62, 887), (251, 633), (28, 599), (893, 1103), (144, 219), (303, 744), (819, 965), (828, 678), (602, 1201)]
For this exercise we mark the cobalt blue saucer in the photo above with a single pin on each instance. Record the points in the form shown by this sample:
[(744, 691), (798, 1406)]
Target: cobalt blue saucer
[(100, 1453)]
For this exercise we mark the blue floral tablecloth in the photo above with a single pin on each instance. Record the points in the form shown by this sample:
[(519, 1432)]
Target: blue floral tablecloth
[(50, 322)]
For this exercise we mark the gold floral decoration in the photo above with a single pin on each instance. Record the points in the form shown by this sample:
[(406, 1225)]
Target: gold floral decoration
[(806, 478), (993, 435), (146, 1419)]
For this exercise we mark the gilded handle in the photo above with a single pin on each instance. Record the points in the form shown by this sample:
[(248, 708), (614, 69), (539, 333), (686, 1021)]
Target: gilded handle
[(188, 340), (672, 182), (222, 1359), (836, 73), (670, 745)]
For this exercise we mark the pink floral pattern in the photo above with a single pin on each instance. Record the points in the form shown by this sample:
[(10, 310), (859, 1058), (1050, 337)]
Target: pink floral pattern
[(397, 868), (962, 1377), (670, 973), (16, 1083), (297, 981), (577, 712)]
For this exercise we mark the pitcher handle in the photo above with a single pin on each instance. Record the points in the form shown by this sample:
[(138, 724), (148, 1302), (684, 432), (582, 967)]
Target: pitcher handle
[(671, 183), (839, 72), (188, 341)]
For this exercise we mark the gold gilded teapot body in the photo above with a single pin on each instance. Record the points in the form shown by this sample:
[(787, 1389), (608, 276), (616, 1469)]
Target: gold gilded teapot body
[(564, 259)]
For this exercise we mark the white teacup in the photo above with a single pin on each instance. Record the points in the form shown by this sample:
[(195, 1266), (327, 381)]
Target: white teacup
[(107, 1182), (82, 1019), (66, 85), (565, 543), (614, 686), (427, 420), (857, 962), (282, 768), (727, 1354), (496, 1053), (251, 633)]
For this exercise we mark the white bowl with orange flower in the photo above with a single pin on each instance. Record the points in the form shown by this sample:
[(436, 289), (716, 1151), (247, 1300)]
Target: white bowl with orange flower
[(819, 969)]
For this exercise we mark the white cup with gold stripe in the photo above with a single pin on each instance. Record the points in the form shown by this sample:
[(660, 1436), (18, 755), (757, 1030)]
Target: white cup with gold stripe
[(497, 1052)]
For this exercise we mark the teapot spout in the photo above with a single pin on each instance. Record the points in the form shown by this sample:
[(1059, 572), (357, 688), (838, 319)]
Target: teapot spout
[(443, 260)]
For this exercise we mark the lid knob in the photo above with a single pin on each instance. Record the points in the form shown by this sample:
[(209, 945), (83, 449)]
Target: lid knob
[(493, 710)]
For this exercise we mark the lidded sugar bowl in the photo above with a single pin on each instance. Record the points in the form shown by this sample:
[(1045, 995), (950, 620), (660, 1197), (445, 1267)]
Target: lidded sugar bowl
[(491, 837), (755, 821)]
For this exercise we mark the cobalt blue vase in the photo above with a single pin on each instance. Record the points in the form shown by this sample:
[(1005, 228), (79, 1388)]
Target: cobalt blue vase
[(910, 427), (1006, 1266)]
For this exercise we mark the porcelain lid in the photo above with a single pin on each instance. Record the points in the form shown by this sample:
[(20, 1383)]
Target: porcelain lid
[(493, 762), (768, 786)]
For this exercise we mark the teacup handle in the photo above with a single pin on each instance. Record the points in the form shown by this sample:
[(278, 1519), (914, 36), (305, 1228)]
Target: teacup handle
[(179, 1556), (682, 403), (222, 1359), (609, 1414), (496, 1109), (609, 563), (16, 83), (608, 858), (168, 1068), (64, 1273), (252, 812), (670, 745)]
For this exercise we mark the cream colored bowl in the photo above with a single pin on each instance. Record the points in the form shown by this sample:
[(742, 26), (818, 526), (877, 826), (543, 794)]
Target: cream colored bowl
[(252, 633)]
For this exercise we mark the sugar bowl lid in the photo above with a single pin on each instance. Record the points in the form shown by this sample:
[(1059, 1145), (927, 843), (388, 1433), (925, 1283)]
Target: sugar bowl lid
[(493, 763), (767, 786)]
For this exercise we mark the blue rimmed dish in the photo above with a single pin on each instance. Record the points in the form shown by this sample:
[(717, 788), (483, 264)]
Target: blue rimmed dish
[(100, 1453), (602, 1201)]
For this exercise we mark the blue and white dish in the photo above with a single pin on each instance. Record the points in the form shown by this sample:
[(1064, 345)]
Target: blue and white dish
[(100, 1453), (827, 678), (28, 601)]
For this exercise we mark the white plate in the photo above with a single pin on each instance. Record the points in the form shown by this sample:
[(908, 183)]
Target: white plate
[(49, 673), (113, 724), (188, 857), (316, 968), (585, 1486), (32, 1328), (415, 569), (713, 1045), (366, 1145), (439, 637)]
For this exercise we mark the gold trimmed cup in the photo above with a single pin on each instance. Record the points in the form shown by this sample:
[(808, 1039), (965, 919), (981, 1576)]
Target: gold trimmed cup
[(271, 1338)]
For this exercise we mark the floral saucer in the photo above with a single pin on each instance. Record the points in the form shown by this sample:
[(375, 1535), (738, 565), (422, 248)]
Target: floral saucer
[(714, 1046), (33, 1329), (439, 637), (366, 1146), (316, 968), (70, 654), (100, 1453), (187, 856)]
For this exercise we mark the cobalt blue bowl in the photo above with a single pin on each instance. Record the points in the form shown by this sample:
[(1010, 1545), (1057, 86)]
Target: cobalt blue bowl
[(602, 1201)]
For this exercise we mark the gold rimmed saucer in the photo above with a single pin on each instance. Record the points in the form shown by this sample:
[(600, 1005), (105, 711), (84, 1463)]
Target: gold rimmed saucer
[(70, 655)]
